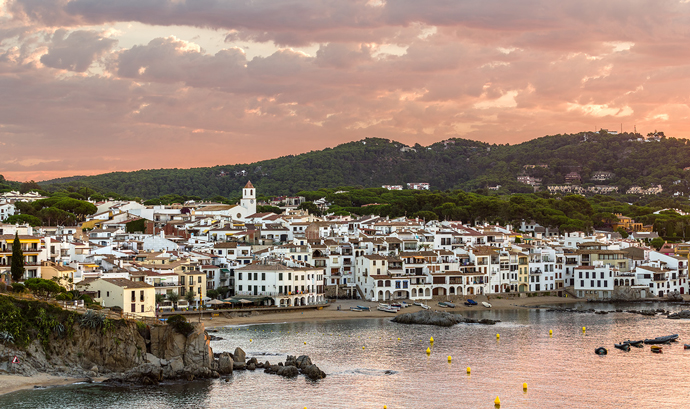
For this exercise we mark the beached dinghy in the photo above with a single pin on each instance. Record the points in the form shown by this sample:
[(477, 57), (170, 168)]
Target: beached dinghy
[(623, 347), (470, 302), (636, 344), (601, 351), (657, 349), (486, 304)]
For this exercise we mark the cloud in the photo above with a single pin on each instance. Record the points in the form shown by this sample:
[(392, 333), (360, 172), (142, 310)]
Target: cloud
[(77, 50), (282, 77)]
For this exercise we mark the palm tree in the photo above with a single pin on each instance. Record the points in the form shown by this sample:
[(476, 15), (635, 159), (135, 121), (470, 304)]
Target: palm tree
[(159, 299), (189, 297), (174, 298)]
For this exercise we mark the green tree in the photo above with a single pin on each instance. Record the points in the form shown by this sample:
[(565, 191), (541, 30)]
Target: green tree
[(657, 243), (23, 219), (190, 297), (159, 299), (310, 207), (17, 268), (174, 298)]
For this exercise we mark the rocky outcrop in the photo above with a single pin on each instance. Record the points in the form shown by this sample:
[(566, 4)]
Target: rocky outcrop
[(685, 314), (438, 318), (294, 366)]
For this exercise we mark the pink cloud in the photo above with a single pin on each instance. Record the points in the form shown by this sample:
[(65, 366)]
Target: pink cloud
[(466, 69)]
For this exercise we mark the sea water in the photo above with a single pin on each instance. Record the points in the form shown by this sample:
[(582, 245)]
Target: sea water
[(561, 371)]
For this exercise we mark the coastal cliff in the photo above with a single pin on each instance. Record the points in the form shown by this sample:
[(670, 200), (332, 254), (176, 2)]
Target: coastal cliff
[(46, 339)]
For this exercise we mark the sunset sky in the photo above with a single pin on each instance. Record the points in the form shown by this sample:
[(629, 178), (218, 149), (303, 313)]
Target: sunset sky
[(93, 86)]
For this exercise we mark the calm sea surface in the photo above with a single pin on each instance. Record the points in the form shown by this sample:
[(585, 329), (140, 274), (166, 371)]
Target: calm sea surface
[(561, 371)]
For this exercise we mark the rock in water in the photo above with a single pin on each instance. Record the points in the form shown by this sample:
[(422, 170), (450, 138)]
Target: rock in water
[(313, 372), (426, 317), (438, 318), (303, 361), (239, 355), (225, 363), (678, 315)]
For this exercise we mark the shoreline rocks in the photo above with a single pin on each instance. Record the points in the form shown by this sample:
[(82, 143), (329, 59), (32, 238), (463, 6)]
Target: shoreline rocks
[(438, 318)]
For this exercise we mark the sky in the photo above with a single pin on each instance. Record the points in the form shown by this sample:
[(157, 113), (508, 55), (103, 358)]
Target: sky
[(95, 86)]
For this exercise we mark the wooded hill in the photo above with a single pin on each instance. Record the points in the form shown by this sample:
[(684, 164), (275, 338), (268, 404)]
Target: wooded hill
[(451, 164)]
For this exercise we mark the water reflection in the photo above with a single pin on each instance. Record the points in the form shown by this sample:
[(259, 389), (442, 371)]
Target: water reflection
[(562, 371)]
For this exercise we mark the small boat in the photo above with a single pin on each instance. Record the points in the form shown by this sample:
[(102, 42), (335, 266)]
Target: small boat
[(417, 303), (363, 308), (636, 344), (624, 347), (404, 304), (442, 304), (387, 308), (397, 305), (657, 349), (601, 351), (450, 304), (686, 346), (661, 340), (355, 309), (424, 306), (470, 302), (486, 304)]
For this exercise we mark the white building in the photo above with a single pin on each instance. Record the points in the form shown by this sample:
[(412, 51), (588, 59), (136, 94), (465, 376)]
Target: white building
[(593, 282)]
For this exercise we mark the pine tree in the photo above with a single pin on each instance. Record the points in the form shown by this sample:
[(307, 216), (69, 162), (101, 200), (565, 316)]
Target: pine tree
[(17, 268)]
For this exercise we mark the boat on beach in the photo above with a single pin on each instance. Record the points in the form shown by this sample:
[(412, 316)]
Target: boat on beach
[(387, 308), (446, 304), (657, 349), (470, 302), (424, 306), (486, 304), (624, 347), (636, 344)]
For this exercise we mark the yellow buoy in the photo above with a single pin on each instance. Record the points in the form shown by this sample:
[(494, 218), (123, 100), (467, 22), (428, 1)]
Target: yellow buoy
[(428, 351), (385, 407), (497, 401), (398, 339), (305, 342), (524, 386), (469, 370), (250, 340), (550, 332), (449, 358), (498, 336), (362, 347), (584, 329), (431, 340)]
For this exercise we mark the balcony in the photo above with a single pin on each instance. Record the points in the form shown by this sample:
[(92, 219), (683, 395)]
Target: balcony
[(166, 285)]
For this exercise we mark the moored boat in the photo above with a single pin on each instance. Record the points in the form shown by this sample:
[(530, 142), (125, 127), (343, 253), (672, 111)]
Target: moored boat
[(442, 304), (486, 304), (636, 344), (686, 346), (657, 349), (424, 306), (601, 351), (363, 308), (661, 340), (624, 347)]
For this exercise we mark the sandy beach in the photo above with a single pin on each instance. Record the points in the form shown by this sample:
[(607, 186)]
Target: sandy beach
[(332, 313), (13, 383)]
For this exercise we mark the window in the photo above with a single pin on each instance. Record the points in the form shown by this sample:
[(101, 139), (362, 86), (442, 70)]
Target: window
[(606, 283), (134, 308), (239, 288), (142, 307), (280, 277), (141, 296), (134, 297), (256, 276), (263, 288), (263, 276), (580, 274), (591, 283), (99, 293), (239, 276), (582, 283), (199, 280), (289, 276), (598, 283), (280, 289)]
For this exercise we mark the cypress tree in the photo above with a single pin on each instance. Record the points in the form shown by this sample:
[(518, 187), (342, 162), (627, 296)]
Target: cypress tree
[(17, 268)]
